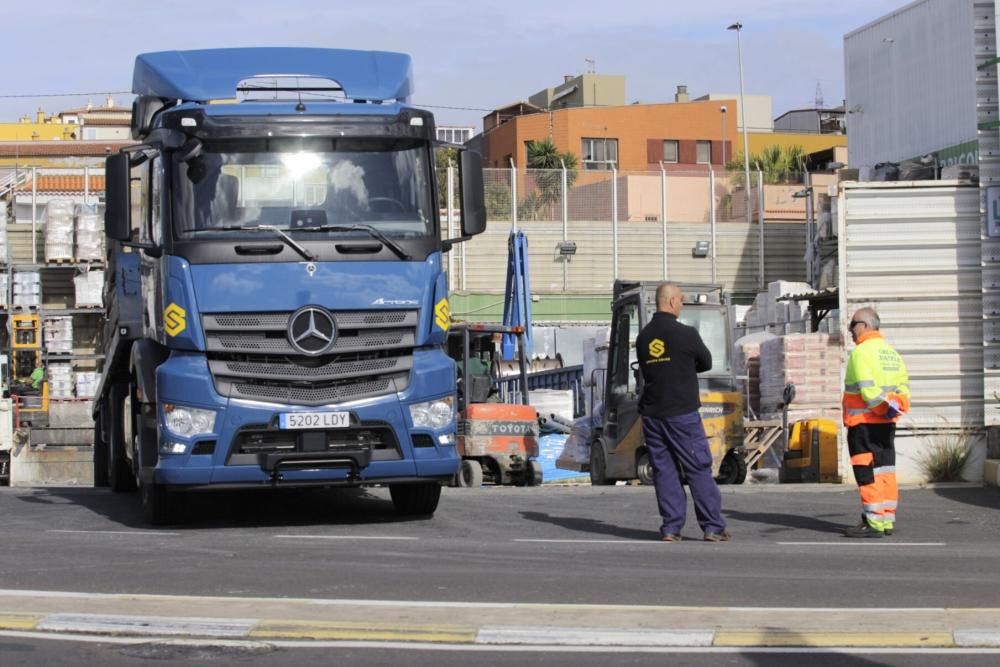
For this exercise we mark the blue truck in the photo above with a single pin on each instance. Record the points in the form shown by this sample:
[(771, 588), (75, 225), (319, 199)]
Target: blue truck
[(277, 305)]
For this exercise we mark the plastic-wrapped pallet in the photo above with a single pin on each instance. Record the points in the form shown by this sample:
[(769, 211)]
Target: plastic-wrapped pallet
[(553, 401), (27, 289), (747, 366), (3, 288), (4, 252), (58, 334), (89, 287), (60, 381), (89, 234), (58, 230), (86, 384), (809, 361)]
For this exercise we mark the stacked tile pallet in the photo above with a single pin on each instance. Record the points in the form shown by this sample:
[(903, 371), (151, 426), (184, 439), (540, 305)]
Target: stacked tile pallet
[(812, 362)]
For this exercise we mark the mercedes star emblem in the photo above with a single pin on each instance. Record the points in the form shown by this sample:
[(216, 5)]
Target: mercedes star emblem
[(312, 330)]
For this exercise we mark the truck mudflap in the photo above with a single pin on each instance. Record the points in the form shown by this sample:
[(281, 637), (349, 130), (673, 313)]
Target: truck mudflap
[(274, 463)]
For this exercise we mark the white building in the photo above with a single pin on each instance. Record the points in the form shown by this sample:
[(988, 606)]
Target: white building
[(911, 86), (454, 135)]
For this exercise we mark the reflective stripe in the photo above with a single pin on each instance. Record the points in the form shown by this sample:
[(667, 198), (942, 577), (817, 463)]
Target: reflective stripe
[(880, 506), (857, 411), (889, 388), (863, 459), (885, 470), (856, 387), (878, 400)]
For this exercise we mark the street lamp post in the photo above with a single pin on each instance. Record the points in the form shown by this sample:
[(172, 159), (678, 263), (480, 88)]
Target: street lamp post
[(722, 112), (743, 112)]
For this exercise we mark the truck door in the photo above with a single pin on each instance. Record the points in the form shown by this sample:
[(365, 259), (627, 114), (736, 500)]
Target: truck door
[(622, 407)]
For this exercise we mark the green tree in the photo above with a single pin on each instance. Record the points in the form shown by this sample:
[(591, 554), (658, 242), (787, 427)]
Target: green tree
[(779, 164), (544, 155), (444, 158)]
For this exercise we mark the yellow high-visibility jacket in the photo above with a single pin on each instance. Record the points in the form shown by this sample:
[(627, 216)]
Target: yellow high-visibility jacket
[(876, 385)]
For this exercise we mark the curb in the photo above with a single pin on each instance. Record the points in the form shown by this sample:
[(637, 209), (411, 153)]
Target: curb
[(263, 630)]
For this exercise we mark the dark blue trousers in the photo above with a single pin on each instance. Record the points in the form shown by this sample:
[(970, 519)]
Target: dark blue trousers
[(680, 441)]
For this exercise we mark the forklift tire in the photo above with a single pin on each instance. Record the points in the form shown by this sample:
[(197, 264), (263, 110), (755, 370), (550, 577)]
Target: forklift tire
[(415, 499), (101, 477), (733, 469), (470, 474), (599, 466), (644, 469), (121, 478), (533, 473)]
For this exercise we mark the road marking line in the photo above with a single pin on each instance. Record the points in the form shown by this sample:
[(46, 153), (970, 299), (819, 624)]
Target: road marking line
[(19, 621), (557, 636), (137, 533), (876, 542), (319, 630), (147, 625), (620, 541), (789, 638), (978, 637), (345, 537)]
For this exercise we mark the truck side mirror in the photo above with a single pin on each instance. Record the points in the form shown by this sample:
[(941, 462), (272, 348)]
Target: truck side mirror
[(470, 178), (117, 206)]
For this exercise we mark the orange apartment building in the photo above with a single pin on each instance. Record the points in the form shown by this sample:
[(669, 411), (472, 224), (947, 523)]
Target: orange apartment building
[(686, 136)]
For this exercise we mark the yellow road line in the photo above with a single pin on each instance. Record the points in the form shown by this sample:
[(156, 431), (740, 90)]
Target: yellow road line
[(362, 632), (806, 638), (19, 621)]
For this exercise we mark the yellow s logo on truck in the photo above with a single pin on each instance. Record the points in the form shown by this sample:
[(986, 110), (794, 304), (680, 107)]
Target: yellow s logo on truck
[(174, 320), (442, 314)]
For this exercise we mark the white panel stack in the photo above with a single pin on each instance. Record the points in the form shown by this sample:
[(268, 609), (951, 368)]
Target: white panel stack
[(58, 230), (86, 384), (89, 235), (3, 287), (4, 252), (89, 288), (27, 289), (58, 334), (60, 381)]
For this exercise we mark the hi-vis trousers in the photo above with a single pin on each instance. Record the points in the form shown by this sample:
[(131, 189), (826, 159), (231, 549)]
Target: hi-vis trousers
[(873, 458)]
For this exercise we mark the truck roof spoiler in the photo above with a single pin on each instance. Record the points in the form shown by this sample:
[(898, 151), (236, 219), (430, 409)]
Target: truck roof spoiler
[(214, 74)]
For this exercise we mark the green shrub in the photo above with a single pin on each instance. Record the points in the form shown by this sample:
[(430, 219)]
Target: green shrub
[(946, 456)]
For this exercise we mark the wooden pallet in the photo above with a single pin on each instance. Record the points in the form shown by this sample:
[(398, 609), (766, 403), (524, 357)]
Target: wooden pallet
[(60, 261)]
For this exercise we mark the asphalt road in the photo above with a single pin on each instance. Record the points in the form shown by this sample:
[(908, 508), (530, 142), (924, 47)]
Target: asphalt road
[(551, 544)]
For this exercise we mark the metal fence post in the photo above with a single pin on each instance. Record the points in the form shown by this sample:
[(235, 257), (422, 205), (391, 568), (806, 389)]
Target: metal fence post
[(760, 228), (663, 214), (807, 180), (565, 222), (513, 195), (614, 223), (711, 202), (34, 214), (450, 203)]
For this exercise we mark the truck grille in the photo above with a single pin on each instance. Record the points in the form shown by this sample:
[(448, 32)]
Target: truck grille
[(250, 357)]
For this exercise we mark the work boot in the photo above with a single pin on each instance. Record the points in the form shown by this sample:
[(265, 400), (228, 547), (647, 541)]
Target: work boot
[(672, 537), (724, 536), (863, 530)]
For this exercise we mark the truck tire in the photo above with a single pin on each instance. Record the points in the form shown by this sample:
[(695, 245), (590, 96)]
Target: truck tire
[(415, 499), (470, 474), (733, 469), (644, 469), (121, 477), (533, 473), (101, 477), (599, 465), (159, 504)]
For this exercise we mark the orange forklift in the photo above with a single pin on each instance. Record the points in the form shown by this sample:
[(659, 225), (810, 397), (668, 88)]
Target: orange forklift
[(497, 428)]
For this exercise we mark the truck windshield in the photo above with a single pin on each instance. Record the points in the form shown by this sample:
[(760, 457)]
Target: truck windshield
[(711, 324), (312, 184)]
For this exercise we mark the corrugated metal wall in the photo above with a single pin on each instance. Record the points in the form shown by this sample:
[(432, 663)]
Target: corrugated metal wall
[(912, 251), (640, 255)]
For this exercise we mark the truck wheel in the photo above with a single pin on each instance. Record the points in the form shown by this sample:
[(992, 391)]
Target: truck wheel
[(415, 499), (101, 477), (533, 473), (121, 478), (159, 505), (470, 474), (644, 469), (733, 469), (599, 466)]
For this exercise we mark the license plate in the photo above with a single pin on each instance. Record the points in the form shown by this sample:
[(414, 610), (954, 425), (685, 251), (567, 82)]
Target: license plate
[(303, 420)]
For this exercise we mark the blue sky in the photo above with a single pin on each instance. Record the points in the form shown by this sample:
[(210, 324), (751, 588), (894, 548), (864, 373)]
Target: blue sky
[(466, 54)]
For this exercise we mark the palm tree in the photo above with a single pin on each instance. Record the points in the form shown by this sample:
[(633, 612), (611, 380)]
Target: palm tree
[(779, 164), (544, 155)]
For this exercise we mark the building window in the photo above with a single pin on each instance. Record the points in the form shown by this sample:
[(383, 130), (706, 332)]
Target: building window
[(670, 150), (703, 152), (600, 153)]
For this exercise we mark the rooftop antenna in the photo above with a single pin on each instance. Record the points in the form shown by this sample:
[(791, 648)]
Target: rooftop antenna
[(591, 65), (819, 95)]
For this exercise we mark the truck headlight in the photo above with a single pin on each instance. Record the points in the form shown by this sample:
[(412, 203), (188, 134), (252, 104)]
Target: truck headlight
[(433, 414), (186, 422)]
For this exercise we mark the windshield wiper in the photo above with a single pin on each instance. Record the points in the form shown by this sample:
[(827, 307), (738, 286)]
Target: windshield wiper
[(369, 229), (292, 243)]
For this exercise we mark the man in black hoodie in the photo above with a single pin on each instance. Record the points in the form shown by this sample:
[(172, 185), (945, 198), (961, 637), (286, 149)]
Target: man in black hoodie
[(671, 355)]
